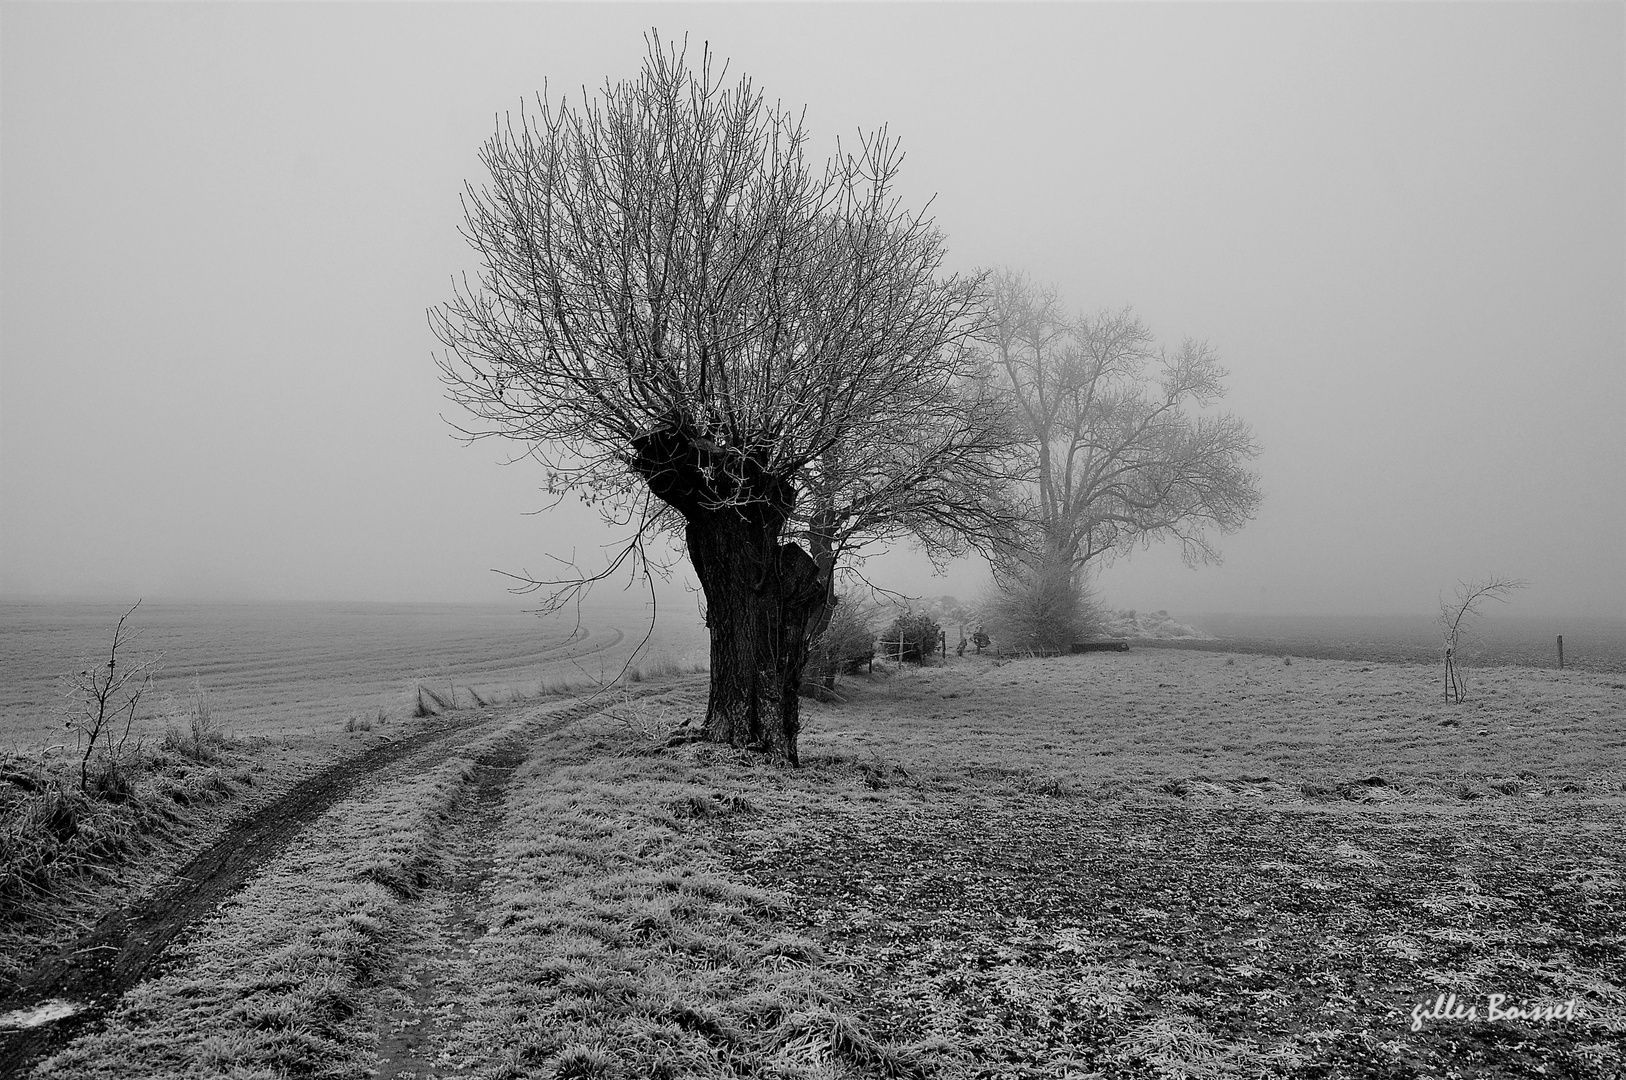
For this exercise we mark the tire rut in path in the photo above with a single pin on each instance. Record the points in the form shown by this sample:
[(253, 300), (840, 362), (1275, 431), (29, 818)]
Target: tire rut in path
[(125, 945), (423, 999), (433, 967)]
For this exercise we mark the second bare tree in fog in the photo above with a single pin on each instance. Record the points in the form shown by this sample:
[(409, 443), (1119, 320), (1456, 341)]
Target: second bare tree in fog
[(1123, 447)]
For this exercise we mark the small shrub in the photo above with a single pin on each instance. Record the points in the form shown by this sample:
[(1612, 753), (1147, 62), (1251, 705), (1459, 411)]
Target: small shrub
[(1039, 610), (104, 696), (912, 637), (847, 641)]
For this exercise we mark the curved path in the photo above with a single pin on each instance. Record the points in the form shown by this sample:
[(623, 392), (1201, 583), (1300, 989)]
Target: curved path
[(126, 946)]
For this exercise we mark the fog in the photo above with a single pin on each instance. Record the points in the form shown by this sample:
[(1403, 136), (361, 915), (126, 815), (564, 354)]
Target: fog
[(1402, 226)]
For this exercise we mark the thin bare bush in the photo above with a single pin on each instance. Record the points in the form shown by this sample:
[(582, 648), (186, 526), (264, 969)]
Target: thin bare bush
[(102, 702), (1458, 615), (847, 640)]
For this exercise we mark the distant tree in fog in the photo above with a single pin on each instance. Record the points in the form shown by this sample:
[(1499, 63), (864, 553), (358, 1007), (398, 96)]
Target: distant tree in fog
[(1458, 614), (1122, 449), (683, 320)]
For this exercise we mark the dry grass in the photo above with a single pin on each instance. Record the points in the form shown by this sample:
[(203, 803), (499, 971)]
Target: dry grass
[(1115, 722), (437, 698), (1154, 864), (63, 851), (1165, 864), (277, 982), (664, 665), (270, 985), (619, 946)]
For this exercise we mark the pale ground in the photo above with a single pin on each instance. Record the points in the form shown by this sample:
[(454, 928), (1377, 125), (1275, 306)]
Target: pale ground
[(1113, 720), (1152, 864)]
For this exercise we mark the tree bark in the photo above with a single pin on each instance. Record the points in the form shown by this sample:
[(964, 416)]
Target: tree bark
[(759, 591), (823, 607)]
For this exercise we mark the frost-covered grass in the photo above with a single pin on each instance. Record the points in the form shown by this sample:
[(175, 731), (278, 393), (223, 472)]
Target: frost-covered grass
[(69, 850), (1106, 722), (1169, 864), (270, 985), (619, 945), (1154, 864), (277, 981)]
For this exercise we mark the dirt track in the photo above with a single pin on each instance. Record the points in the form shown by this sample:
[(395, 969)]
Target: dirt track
[(127, 945)]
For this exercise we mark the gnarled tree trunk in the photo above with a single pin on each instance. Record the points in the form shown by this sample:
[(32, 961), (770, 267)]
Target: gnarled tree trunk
[(758, 596), (759, 591)]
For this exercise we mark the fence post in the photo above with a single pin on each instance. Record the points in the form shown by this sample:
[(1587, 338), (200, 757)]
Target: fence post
[(1560, 652)]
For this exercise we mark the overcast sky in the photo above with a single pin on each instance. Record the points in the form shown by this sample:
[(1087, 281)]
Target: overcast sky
[(1402, 226)]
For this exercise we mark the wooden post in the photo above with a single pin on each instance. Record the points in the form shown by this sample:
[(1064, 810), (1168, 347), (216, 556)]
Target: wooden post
[(1560, 652)]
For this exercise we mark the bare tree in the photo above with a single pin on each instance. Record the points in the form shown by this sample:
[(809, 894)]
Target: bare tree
[(1456, 616), (685, 322), (1121, 452), (100, 694)]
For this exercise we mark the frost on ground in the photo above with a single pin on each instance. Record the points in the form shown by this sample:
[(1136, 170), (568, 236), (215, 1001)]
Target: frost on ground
[(1161, 863)]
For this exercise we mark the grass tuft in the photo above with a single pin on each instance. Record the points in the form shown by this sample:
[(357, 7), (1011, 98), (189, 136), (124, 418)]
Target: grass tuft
[(57, 840)]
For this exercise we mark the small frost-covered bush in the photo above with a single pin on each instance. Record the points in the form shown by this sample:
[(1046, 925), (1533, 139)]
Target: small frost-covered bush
[(913, 636), (1039, 610)]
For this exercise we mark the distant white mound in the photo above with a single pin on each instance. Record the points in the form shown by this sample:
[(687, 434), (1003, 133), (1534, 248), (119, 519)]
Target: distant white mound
[(1130, 623)]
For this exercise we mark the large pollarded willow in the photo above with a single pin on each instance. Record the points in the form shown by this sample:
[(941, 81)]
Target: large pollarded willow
[(677, 314)]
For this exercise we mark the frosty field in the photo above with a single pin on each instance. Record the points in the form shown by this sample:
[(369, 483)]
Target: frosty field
[(276, 669), (1155, 864)]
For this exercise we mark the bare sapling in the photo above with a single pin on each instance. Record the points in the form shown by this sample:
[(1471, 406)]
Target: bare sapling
[(1458, 614), (101, 694)]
